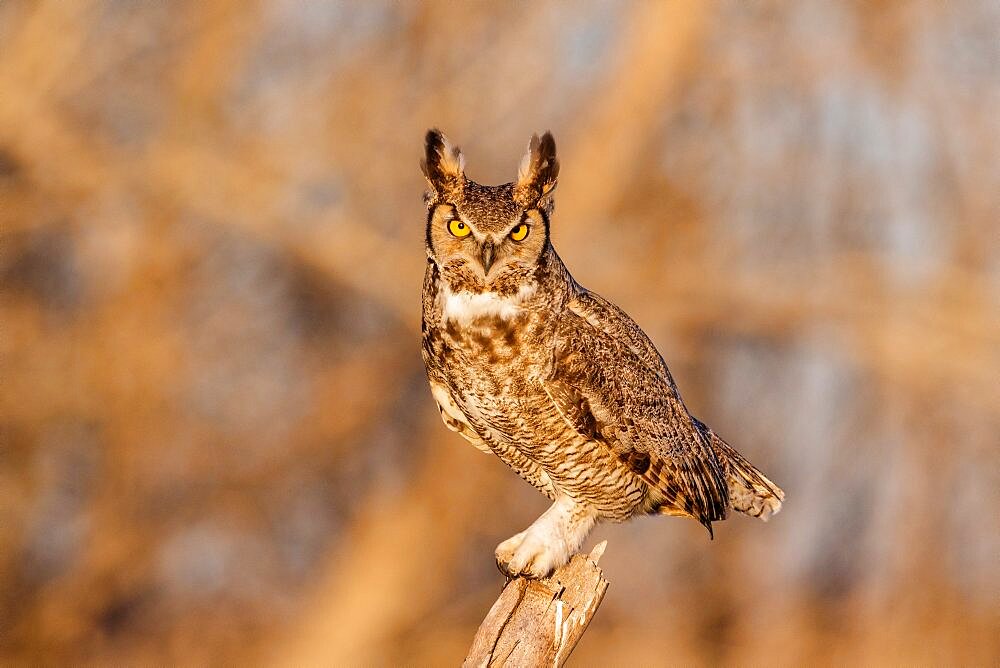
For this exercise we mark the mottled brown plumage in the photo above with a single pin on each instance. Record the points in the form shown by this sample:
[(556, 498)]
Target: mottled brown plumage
[(556, 381)]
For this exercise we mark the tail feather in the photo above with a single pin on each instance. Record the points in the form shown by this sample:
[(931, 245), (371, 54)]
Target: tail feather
[(750, 491)]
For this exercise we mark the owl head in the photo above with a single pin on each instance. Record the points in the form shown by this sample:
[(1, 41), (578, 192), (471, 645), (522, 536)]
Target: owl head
[(488, 238)]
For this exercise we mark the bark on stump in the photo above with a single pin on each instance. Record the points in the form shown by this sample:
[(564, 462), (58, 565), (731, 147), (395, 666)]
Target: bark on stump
[(539, 622)]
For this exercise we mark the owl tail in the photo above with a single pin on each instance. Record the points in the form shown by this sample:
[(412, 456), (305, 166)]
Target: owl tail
[(750, 491)]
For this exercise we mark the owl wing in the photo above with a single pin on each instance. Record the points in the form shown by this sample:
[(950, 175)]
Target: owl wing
[(609, 383)]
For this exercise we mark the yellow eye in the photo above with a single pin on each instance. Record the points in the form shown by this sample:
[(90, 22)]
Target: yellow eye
[(458, 228), (519, 232)]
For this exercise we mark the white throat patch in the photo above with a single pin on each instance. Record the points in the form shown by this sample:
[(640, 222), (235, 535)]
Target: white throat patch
[(464, 307)]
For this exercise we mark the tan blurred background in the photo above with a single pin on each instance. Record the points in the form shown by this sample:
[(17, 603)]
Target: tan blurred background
[(217, 440)]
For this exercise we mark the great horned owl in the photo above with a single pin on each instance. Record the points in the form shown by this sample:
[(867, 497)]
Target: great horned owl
[(559, 383)]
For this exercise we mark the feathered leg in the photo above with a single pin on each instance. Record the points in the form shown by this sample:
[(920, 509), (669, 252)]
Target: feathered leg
[(549, 542)]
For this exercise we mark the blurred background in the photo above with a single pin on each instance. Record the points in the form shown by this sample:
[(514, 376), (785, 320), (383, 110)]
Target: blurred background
[(217, 443)]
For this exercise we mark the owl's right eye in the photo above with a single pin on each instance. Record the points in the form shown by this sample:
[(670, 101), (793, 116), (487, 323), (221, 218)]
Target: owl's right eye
[(458, 228)]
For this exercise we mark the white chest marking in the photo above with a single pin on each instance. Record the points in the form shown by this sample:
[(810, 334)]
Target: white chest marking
[(464, 307)]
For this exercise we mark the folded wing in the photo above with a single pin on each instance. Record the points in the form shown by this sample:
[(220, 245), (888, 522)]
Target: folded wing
[(609, 383)]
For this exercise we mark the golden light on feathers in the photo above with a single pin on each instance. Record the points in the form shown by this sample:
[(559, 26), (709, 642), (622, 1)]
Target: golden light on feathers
[(557, 382)]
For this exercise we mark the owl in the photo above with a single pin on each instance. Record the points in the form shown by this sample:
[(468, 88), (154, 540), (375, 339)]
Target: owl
[(559, 383)]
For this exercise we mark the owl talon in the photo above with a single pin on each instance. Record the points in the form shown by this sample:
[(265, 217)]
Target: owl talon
[(530, 555), (505, 554), (548, 543)]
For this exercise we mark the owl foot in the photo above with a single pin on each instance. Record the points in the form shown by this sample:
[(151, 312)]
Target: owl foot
[(548, 543), (505, 552), (530, 555)]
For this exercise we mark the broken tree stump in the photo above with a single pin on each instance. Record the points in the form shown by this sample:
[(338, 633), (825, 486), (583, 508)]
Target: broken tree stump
[(539, 622)]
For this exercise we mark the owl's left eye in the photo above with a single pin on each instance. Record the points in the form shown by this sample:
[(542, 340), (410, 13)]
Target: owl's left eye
[(520, 232)]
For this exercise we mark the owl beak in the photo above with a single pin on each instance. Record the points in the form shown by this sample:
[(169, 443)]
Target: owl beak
[(487, 254)]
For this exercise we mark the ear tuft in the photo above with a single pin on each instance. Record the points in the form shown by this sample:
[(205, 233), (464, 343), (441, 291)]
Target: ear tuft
[(538, 171), (444, 167)]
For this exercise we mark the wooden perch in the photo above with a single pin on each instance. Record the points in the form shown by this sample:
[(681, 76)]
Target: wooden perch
[(539, 622)]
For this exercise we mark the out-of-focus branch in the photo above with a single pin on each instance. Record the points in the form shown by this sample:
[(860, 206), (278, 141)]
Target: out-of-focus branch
[(539, 622), (662, 36)]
